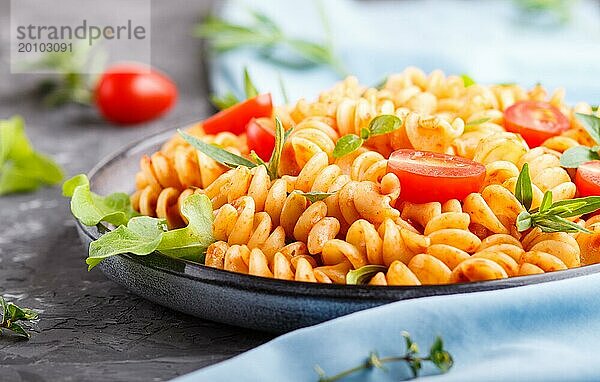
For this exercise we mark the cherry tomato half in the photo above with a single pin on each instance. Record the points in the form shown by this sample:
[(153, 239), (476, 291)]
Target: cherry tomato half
[(427, 177), (235, 118), (587, 179), (261, 137), (131, 93), (536, 121)]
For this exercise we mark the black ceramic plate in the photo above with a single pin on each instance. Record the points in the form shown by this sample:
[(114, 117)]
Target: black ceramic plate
[(250, 301)]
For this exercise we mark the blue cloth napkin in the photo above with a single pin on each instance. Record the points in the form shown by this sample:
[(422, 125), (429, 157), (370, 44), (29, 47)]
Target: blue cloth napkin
[(545, 332)]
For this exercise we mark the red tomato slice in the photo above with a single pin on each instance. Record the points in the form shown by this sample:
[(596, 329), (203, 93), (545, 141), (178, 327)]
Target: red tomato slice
[(129, 93), (261, 137), (235, 118), (587, 179), (536, 121), (432, 177)]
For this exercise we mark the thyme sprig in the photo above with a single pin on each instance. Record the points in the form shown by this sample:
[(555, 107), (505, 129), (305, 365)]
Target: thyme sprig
[(550, 216), (440, 357), (12, 316)]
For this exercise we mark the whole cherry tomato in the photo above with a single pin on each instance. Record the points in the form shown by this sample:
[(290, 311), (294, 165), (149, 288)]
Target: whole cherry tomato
[(130, 93)]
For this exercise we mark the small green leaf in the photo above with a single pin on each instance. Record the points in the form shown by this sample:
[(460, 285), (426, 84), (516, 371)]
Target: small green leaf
[(347, 144), (91, 209), (411, 347), (314, 196), (575, 156), (524, 221), (440, 357), (591, 123), (477, 122), (384, 124), (249, 87), (141, 236), (227, 101), (546, 201), (375, 361), (365, 133), (553, 223), (275, 159), (18, 330), (523, 187), (594, 108), (468, 81), (579, 206), (218, 154), (362, 275)]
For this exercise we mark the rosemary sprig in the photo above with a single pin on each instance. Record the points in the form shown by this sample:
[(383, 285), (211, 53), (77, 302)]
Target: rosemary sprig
[(266, 36), (440, 357), (12, 315), (550, 216), (232, 160)]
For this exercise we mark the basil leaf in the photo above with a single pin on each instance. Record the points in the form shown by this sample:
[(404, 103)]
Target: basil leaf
[(141, 236), (477, 122), (362, 275), (546, 201), (575, 156), (249, 87), (468, 81), (314, 196), (384, 124), (523, 187), (227, 101), (273, 168), (192, 241), (217, 153), (91, 209), (347, 144), (591, 123)]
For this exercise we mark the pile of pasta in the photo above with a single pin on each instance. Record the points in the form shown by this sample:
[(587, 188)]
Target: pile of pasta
[(263, 228)]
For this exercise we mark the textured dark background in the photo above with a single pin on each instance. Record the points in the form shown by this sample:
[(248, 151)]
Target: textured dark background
[(90, 328)]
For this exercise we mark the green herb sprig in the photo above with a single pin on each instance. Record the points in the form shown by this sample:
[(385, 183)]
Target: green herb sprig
[(13, 316), (232, 160), (22, 169), (440, 357), (550, 216), (266, 36), (467, 80), (575, 156), (380, 125), (229, 99)]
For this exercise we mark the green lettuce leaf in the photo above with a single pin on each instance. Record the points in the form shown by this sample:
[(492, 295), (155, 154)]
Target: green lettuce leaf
[(91, 209)]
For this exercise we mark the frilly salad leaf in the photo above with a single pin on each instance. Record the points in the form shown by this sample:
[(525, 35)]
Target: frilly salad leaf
[(143, 235), (91, 209), (22, 169)]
